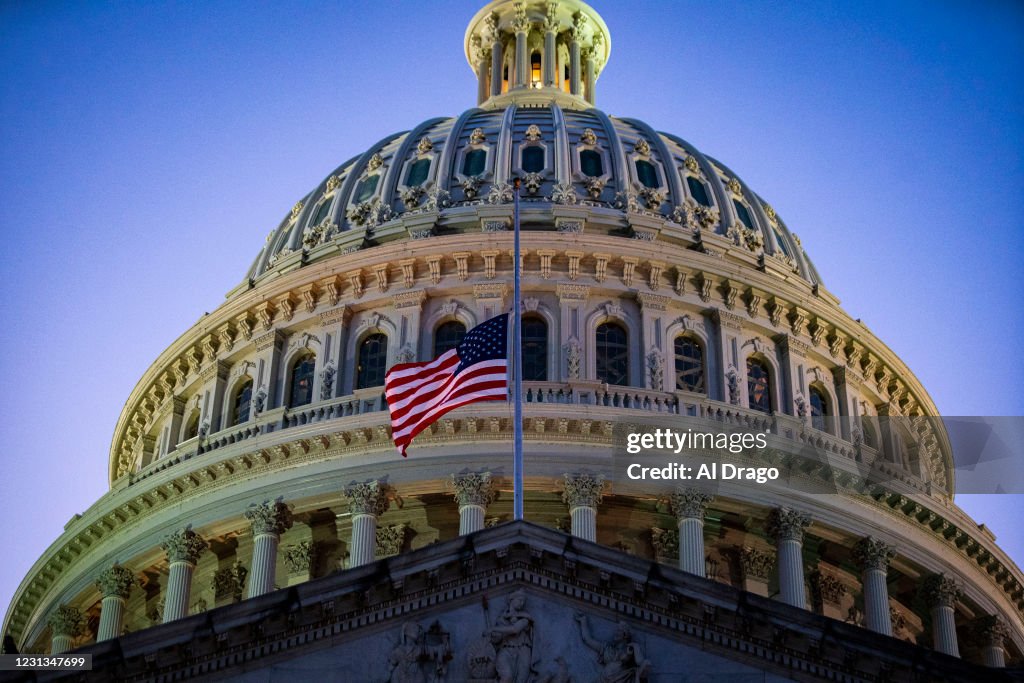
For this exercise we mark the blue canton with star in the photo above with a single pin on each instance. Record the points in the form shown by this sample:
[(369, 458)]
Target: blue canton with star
[(486, 341)]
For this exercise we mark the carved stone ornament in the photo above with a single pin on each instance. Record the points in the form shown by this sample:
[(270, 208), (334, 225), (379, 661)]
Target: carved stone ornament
[(390, 539), (564, 193), (734, 186), (871, 553), (230, 581), (184, 545), (375, 162), (532, 133), (732, 381), (333, 183), (471, 186), (587, 137), (770, 212), (594, 186), (405, 355), (573, 352), (269, 517), (532, 182), (437, 199), (656, 368), (327, 381), (626, 200), (296, 210), (690, 503), (500, 193), (302, 557), (787, 524), (367, 498), (473, 488), (259, 401), (652, 197), (583, 490), (826, 587), (642, 147), (424, 145), (418, 655), (756, 564), (477, 137), (692, 165), (116, 580), (940, 590), (520, 22), (66, 621), (993, 630), (666, 543), (411, 196)]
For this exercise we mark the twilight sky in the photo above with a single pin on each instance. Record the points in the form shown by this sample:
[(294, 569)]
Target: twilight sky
[(148, 148)]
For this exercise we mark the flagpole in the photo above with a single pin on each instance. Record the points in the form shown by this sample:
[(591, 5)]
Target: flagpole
[(517, 362)]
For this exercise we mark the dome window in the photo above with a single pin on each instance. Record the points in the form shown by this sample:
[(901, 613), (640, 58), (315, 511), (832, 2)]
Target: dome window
[(302, 381), (533, 159), (474, 163), (698, 191), (373, 360), (819, 409), (448, 336), (781, 241), (535, 349), (418, 172), (591, 164), (322, 211), (535, 77), (759, 386), (366, 188), (689, 365), (240, 406), (743, 214), (612, 354), (647, 174)]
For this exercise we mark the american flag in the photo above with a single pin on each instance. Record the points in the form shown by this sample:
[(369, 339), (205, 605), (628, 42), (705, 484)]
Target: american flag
[(476, 370)]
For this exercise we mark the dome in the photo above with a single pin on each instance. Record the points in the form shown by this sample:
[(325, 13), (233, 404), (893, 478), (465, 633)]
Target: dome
[(659, 291)]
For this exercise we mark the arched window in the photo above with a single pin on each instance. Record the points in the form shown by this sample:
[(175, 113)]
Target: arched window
[(870, 438), (689, 365), (372, 361), (192, 426), (612, 354), (533, 159), (240, 406), (781, 241), (698, 190), (535, 349), (301, 392), (322, 211), (473, 164), (367, 187), (744, 215), (535, 77), (591, 164), (647, 173), (417, 172), (759, 386), (819, 409), (447, 336)]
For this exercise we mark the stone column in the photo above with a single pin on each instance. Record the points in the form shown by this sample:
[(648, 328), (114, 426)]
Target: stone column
[(183, 548), (65, 624), (873, 556), (941, 594), (114, 584), (589, 71), (583, 493), (689, 505), (473, 492), (787, 526), (521, 25), (497, 58), (575, 36), (994, 632), (269, 521), (550, 54), (367, 501)]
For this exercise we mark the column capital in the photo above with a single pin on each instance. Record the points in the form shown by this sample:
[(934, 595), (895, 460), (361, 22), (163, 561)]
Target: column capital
[(690, 502), (473, 488), (940, 590), (787, 524), (116, 580), (756, 563), (992, 629), (229, 581), (184, 545), (367, 497), (583, 490), (871, 553), (269, 517), (66, 621), (302, 556)]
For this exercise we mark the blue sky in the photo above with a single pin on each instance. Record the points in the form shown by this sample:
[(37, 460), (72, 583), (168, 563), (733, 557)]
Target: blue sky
[(148, 148)]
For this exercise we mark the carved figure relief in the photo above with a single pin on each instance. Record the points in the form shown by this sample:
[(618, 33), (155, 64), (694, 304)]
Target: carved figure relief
[(621, 659)]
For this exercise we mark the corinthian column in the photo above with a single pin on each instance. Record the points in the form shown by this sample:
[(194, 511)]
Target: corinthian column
[(941, 594), (994, 632), (689, 505), (492, 32), (114, 584), (550, 56), (268, 521), (367, 501), (582, 494), (521, 25), (589, 71), (575, 36), (473, 492), (873, 556), (183, 548), (787, 526), (65, 624)]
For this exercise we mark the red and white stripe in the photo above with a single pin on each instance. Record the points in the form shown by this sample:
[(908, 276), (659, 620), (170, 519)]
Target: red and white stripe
[(419, 393)]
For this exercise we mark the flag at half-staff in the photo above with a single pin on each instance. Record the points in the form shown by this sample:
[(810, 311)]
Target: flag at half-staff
[(475, 370)]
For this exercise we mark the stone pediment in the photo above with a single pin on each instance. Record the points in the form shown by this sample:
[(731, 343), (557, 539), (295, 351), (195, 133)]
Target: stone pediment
[(514, 595)]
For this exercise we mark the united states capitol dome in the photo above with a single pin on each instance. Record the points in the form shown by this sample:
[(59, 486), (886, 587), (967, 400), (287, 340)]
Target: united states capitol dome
[(659, 290)]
